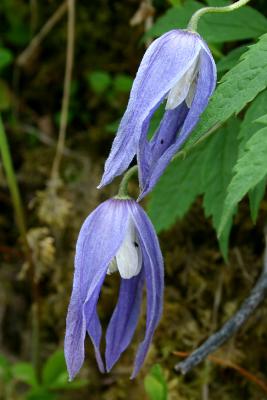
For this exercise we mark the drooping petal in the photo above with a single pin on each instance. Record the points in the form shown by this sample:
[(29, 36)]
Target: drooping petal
[(204, 88), (99, 239), (124, 319), (164, 63), (154, 278), (93, 327), (129, 256), (149, 152)]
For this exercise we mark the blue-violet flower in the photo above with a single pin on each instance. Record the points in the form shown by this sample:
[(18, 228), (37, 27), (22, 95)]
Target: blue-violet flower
[(117, 235), (178, 67)]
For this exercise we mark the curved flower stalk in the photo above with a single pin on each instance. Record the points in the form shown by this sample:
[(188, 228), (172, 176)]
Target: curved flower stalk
[(117, 235), (178, 67)]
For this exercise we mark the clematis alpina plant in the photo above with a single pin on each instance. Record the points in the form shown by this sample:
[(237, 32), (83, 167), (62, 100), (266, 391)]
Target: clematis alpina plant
[(179, 68), (116, 236)]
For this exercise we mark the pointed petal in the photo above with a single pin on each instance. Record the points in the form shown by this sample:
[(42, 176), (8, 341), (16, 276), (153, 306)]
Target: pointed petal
[(164, 63), (154, 277), (204, 88), (124, 319), (166, 134), (99, 239), (94, 328)]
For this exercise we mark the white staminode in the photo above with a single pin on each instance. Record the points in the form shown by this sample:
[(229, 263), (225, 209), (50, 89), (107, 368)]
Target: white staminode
[(185, 88), (128, 259)]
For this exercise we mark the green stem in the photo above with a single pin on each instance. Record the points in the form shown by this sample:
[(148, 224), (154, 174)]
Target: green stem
[(20, 219), (12, 184), (192, 26), (123, 188)]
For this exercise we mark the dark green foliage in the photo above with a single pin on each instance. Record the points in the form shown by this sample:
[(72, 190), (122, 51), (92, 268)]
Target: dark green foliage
[(54, 377), (206, 170), (245, 23)]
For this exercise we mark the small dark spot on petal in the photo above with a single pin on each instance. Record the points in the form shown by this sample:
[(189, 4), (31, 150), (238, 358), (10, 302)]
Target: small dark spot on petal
[(162, 141), (136, 244)]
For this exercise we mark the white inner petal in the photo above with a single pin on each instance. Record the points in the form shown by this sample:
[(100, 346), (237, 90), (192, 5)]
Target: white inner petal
[(181, 90), (191, 93), (113, 267), (128, 259)]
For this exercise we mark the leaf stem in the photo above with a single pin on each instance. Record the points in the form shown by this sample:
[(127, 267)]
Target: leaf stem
[(193, 23)]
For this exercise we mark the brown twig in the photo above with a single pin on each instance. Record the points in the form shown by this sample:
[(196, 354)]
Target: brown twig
[(229, 364), (66, 91), (36, 41)]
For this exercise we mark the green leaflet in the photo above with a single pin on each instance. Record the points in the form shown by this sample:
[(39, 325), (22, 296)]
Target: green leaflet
[(54, 367), (206, 170), (231, 59), (250, 125), (237, 88), (255, 197), (155, 384), (244, 23), (221, 155), (262, 119), (251, 168), (175, 192)]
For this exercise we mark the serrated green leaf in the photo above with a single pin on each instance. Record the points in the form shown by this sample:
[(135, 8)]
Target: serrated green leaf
[(231, 59), (251, 124), (24, 372), (206, 170), (244, 23), (255, 197), (155, 384), (250, 169), (238, 87), (254, 118), (53, 368), (262, 120), (175, 191), (220, 158)]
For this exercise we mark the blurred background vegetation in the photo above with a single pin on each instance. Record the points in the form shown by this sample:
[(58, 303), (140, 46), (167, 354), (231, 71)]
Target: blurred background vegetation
[(202, 290)]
